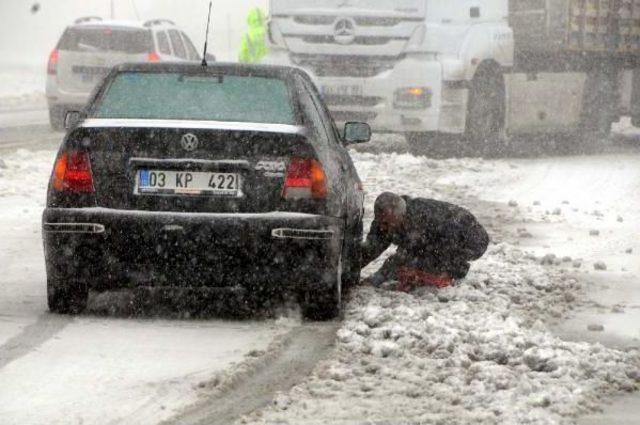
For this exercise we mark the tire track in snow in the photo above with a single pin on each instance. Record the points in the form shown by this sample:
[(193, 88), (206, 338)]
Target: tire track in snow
[(292, 362), (31, 337)]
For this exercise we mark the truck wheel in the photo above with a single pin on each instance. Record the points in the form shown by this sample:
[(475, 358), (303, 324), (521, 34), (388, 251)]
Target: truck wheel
[(420, 144), (486, 112), (323, 302), (63, 299), (56, 118), (598, 108)]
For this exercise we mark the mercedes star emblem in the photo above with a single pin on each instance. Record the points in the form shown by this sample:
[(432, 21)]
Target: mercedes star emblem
[(345, 31)]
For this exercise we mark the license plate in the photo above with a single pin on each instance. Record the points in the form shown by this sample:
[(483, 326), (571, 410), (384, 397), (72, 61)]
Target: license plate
[(343, 90), (162, 182)]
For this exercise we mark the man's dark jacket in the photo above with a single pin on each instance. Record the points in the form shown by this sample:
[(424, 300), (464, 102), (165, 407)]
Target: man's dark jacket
[(437, 237)]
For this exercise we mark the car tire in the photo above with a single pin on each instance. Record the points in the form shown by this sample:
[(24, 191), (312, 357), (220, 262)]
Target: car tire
[(486, 113), (56, 118), (323, 302), (65, 299), (352, 260)]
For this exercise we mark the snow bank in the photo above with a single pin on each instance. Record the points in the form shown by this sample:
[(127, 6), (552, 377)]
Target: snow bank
[(21, 87), (478, 353)]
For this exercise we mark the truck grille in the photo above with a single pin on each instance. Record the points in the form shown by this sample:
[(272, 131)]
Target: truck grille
[(345, 66), (363, 21), (361, 41), (350, 116), (337, 100)]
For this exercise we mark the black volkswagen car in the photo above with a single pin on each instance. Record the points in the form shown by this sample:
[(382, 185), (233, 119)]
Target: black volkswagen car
[(227, 179)]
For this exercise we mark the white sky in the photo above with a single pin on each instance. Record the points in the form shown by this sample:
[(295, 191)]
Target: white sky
[(27, 38)]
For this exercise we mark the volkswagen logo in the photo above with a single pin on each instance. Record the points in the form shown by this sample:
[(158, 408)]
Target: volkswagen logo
[(345, 31), (189, 142)]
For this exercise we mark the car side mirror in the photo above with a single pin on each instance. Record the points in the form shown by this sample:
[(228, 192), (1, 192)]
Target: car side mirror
[(356, 132), (72, 119)]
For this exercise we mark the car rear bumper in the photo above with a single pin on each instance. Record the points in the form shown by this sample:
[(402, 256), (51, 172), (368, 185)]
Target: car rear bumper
[(56, 97), (110, 249)]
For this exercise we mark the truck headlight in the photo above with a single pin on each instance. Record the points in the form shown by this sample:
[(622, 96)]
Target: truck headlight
[(412, 98), (417, 40)]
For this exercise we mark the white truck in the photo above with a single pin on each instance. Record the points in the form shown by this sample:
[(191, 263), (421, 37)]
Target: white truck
[(485, 69)]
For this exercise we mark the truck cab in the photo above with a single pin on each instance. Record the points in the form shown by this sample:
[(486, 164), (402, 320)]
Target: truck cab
[(482, 69), (395, 64)]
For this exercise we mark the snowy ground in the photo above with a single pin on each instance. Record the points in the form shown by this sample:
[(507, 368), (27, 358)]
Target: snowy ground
[(22, 98), (21, 85), (488, 351), (93, 369)]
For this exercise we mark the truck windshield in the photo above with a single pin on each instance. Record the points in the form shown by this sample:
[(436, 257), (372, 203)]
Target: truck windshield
[(232, 98)]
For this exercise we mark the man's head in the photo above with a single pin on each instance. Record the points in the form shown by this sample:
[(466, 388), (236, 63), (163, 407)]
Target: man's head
[(390, 210)]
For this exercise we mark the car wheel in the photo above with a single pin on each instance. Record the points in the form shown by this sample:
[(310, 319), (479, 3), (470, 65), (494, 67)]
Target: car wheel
[(56, 118), (352, 260), (323, 302), (63, 299)]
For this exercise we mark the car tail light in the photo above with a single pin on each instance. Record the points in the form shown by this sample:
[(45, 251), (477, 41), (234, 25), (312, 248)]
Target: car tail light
[(72, 173), (305, 180), (153, 57), (52, 67)]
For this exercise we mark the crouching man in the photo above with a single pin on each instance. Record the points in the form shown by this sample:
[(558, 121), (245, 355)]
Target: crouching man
[(435, 241)]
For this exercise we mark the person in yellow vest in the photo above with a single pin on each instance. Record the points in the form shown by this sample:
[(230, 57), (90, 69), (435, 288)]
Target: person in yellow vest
[(254, 46)]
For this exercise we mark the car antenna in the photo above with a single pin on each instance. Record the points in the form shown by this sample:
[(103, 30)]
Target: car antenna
[(206, 40)]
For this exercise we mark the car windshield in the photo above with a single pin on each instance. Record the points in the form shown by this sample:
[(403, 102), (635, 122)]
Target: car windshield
[(105, 39), (175, 96)]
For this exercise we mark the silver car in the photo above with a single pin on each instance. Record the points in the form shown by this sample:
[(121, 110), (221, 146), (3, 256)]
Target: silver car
[(90, 47)]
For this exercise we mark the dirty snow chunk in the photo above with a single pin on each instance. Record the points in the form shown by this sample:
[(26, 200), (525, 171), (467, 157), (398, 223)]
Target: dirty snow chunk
[(3, 165), (595, 328), (548, 260), (374, 316), (600, 266), (629, 251), (540, 360), (557, 211), (536, 203), (594, 232), (513, 204), (620, 219), (524, 233)]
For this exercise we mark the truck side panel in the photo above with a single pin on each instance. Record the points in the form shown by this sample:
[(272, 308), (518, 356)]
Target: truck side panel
[(546, 103)]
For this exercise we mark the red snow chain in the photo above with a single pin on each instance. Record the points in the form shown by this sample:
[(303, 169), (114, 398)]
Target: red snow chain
[(410, 279)]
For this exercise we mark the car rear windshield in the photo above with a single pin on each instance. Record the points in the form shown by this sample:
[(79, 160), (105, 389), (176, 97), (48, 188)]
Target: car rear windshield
[(231, 98), (122, 40)]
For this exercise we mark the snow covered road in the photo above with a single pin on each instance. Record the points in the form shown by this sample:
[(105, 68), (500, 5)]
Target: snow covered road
[(486, 352), (94, 369)]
